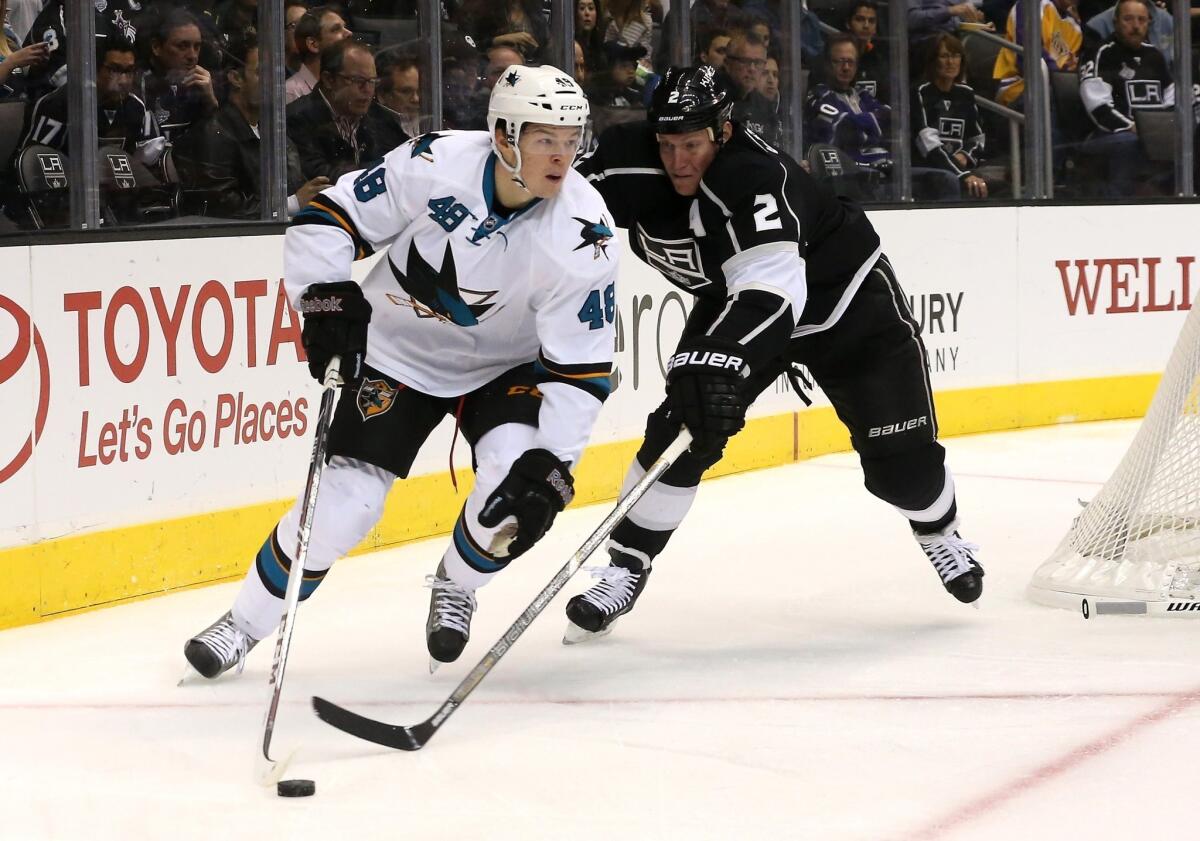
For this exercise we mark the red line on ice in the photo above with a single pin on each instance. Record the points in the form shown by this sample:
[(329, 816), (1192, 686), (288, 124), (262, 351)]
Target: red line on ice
[(1055, 768)]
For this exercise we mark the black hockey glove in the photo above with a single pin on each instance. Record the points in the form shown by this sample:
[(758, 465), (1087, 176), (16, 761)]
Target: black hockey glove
[(336, 316), (704, 391), (536, 488)]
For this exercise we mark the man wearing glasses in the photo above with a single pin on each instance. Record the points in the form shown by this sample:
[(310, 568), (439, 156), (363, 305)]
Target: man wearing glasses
[(123, 118), (745, 62), (339, 127)]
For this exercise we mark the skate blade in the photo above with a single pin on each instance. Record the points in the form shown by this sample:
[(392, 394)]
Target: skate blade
[(573, 635), (189, 675), (433, 665)]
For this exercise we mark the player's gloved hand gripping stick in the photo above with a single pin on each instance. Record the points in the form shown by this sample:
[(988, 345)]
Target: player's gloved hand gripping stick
[(269, 770), (417, 736)]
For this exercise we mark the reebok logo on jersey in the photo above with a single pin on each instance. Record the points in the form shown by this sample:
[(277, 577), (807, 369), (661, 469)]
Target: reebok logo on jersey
[(333, 303), (706, 358), (901, 426)]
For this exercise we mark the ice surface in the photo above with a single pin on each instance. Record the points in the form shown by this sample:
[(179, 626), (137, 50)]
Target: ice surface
[(794, 671)]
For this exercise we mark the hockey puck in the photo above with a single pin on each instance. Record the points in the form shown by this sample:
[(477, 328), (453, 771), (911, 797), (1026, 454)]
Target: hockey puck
[(296, 788)]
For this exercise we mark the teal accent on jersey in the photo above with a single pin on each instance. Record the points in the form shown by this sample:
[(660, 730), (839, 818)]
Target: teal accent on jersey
[(595, 380), (495, 221)]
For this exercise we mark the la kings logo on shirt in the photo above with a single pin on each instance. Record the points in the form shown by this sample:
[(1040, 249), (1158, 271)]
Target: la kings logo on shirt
[(678, 259), (952, 130), (1143, 92)]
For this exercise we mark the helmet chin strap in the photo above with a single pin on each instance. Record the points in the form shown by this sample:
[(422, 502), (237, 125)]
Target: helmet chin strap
[(514, 171)]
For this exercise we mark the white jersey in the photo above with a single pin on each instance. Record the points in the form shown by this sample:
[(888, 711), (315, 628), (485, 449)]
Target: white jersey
[(464, 293)]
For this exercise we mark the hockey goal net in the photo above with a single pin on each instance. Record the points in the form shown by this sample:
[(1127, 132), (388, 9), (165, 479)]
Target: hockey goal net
[(1138, 540)]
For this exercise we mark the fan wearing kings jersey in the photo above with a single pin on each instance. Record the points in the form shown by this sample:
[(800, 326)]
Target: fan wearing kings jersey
[(783, 272), (491, 305)]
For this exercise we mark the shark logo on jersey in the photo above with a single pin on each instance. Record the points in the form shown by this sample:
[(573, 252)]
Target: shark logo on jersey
[(595, 234), (374, 398), (678, 259), (434, 293), (422, 144)]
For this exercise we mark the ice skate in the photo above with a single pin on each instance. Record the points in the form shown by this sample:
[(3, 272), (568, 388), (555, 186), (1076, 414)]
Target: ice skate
[(219, 647), (593, 613), (954, 560), (449, 625)]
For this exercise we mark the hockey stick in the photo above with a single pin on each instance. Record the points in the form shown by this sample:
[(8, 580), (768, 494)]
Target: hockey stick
[(269, 770), (417, 736)]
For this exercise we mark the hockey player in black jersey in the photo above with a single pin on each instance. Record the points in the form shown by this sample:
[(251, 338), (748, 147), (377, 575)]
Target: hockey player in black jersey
[(783, 271)]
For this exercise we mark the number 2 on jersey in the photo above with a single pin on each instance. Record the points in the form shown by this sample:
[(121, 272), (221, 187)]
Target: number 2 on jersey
[(593, 313), (766, 213)]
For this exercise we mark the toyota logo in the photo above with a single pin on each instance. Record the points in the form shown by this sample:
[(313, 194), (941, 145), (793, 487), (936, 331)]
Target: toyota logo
[(11, 363)]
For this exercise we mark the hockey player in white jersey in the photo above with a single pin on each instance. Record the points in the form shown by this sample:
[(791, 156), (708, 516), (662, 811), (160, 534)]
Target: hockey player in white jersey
[(493, 305)]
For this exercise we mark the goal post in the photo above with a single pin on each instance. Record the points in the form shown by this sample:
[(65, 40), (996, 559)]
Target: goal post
[(1138, 541)]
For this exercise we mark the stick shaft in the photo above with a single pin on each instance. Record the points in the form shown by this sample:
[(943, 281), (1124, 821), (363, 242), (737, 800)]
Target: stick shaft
[(291, 600), (517, 628)]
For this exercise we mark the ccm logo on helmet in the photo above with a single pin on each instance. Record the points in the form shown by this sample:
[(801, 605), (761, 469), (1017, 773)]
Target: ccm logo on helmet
[(571, 107), (709, 358)]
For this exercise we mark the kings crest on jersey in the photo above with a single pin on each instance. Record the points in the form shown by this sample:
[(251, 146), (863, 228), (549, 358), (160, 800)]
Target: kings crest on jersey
[(464, 292), (752, 202)]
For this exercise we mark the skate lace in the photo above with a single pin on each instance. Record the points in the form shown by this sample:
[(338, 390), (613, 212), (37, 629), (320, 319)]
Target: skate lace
[(614, 590), (453, 605), (950, 555), (229, 642)]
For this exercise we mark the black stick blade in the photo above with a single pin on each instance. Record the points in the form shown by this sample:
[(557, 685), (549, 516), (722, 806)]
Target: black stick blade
[(389, 735)]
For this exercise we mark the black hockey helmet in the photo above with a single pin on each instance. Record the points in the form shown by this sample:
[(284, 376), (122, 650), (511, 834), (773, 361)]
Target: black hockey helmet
[(690, 99)]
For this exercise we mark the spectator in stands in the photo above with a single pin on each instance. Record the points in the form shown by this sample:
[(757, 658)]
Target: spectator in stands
[(862, 22), (500, 57), (706, 14), (581, 68), (219, 161), (714, 43), (400, 89), (339, 127), (319, 28), (588, 34), (1061, 42), (113, 17), (629, 24), (618, 86), (18, 60), (926, 18), (1100, 26), (768, 83), (176, 88), (293, 10), (947, 133), (745, 61), (1124, 75), (838, 114), (236, 20), (461, 100), (520, 24), (122, 119)]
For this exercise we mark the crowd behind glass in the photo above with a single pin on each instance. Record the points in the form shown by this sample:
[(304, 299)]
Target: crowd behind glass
[(179, 100)]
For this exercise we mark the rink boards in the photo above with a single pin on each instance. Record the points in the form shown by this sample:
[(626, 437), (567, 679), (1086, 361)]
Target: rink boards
[(156, 418)]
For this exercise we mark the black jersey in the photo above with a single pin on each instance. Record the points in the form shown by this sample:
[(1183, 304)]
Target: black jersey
[(1117, 81), (754, 203), (130, 122), (948, 124)]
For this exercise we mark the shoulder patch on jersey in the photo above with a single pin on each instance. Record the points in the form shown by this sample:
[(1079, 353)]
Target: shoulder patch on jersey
[(422, 144), (434, 293), (595, 234)]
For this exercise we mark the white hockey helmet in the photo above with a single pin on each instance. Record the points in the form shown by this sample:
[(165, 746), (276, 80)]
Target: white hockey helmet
[(544, 95)]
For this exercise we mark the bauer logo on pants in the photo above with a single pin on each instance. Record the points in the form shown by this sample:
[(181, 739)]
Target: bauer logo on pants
[(374, 398)]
